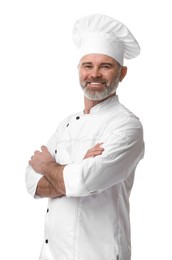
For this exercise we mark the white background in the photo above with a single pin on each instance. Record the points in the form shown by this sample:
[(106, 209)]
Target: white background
[(39, 87)]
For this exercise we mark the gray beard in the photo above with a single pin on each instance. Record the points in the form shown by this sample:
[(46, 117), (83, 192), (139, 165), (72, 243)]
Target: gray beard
[(99, 95)]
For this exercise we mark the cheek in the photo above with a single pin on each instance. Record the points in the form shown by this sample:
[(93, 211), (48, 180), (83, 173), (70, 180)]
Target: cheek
[(83, 76), (110, 76), (110, 79), (115, 79)]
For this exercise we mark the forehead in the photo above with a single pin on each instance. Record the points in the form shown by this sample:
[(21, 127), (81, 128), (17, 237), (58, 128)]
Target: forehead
[(97, 59)]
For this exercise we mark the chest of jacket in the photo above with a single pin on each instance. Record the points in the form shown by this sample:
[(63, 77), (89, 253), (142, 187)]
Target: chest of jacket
[(82, 132)]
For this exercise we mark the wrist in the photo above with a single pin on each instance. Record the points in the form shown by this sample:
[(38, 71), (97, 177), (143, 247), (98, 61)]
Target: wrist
[(53, 168)]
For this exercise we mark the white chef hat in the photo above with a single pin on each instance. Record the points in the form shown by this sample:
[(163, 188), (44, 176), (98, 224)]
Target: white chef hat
[(102, 34)]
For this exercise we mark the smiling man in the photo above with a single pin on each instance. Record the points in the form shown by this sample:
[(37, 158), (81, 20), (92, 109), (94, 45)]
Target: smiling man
[(87, 168), (99, 76)]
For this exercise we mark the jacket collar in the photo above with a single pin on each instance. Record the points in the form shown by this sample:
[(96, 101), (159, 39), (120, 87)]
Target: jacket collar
[(108, 103)]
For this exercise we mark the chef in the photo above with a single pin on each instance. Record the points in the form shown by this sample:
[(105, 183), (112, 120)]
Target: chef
[(87, 168)]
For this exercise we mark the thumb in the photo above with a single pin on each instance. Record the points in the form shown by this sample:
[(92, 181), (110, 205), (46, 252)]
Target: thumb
[(44, 148)]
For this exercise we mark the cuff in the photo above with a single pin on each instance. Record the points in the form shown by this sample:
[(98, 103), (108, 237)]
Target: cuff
[(32, 178), (74, 185)]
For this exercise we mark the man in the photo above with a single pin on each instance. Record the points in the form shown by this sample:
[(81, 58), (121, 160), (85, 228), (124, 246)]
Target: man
[(87, 169)]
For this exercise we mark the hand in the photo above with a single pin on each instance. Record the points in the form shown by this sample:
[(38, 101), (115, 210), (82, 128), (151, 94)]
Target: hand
[(94, 151), (40, 160)]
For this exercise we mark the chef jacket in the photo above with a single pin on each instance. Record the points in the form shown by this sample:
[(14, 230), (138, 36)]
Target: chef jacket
[(92, 221)]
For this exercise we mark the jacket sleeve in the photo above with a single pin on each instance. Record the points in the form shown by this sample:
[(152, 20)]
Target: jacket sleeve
[(119, 159), (31, 177)]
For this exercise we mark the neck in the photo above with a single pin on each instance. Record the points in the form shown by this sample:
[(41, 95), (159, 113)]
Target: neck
[(89, 104)]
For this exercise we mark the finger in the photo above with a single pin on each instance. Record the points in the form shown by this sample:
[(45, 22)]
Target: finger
[(36, 152), (101, 149), (97, 145), (94, 153), (100, 143), (97, 150), (44, 148)]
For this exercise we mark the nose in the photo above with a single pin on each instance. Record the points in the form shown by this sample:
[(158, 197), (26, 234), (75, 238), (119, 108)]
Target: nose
[(95, 73)]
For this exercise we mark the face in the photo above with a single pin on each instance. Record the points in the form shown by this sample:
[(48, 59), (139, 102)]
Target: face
[(99, 76)]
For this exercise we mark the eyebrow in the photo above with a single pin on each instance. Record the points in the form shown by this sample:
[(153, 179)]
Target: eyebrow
[(86, 63), (107, 63)]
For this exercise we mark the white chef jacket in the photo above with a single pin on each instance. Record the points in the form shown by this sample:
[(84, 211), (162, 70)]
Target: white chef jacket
[(92, 221)]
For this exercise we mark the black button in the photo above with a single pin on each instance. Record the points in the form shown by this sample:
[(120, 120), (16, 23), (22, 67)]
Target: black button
[(47, 210), (77, 117), (55, 151), (46, 241)]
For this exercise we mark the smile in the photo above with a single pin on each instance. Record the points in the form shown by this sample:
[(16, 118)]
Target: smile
[(96, 83)]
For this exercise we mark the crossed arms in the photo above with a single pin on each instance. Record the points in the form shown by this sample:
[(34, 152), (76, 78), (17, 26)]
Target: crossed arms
[(51, 185)]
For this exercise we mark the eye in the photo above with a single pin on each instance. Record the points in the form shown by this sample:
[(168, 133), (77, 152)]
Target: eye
[(106, 67), (87, 66)]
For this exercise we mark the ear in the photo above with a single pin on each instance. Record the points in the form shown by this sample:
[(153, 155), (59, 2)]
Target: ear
[(123, 73)]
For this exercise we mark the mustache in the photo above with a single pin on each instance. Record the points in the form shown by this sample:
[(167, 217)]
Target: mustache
[(96, 81)]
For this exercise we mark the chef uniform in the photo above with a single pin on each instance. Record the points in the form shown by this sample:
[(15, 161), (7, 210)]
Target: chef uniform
[(92, 221)]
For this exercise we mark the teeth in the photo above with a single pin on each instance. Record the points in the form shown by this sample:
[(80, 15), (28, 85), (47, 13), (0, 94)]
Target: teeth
[(95, 83)]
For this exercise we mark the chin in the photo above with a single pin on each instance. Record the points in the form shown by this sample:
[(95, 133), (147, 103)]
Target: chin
[(95, 96), (99, 96)]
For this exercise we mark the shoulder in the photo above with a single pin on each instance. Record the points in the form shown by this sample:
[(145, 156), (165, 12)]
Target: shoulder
[(122, 117), (123, 123)]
